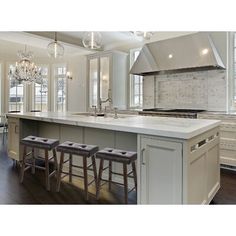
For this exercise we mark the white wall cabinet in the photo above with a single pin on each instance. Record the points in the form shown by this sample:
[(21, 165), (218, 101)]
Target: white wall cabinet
[(107, 73), (160, 171)]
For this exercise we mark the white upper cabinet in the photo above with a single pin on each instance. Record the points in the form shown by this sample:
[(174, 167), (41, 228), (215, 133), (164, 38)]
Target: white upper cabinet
[(107, 74)]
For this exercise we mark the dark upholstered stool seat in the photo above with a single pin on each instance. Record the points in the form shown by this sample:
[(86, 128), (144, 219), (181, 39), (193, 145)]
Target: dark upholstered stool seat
[(39, 142), (28, 160), (117, 155), (81, 150), (77, 148), (121, 156)]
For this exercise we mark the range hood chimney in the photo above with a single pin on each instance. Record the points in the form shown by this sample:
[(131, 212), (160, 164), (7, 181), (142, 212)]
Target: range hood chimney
[(186, 53)]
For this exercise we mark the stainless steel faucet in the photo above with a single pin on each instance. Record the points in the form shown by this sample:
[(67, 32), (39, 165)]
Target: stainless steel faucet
[(109, 99), (95, 110)]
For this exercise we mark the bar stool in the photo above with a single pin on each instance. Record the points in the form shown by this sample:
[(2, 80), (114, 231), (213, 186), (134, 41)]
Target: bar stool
[(82, 150), (120, 156), (45, 144)]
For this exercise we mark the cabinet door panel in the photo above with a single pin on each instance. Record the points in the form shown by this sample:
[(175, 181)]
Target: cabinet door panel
[(213, 173), (197, 180), (13, 138), (104, 78), (93, 81), (161, 172)]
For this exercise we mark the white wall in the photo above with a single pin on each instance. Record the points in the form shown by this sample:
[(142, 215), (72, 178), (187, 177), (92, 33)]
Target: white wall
[(77, 87)]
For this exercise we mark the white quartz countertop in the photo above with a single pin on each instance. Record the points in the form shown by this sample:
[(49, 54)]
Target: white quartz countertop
[(181, 128)]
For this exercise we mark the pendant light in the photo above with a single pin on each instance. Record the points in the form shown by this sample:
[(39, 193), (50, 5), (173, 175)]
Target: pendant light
[(92, 40), (55, 49)]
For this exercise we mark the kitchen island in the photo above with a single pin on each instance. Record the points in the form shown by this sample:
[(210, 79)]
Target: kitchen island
[(178, 159)]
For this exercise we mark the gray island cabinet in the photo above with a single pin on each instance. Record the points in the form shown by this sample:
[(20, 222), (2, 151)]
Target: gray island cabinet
[(178, 159)]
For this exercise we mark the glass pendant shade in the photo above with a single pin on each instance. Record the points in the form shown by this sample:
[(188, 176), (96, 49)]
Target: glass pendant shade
[(92, 40), (25, 70), (55, 49)]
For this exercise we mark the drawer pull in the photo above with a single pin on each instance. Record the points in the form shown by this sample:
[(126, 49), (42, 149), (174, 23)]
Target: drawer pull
[(17, 129), (142, 158)]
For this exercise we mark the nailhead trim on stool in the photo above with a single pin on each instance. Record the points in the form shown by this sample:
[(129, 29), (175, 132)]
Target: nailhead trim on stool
[(45, 144), (121, 156), (77, 149)]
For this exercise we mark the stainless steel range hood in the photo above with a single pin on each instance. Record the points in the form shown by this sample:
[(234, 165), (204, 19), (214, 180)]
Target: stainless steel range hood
[(185, 53)]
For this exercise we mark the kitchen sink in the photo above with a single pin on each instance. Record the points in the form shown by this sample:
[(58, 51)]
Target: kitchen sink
[(108, 115), (87, 114)]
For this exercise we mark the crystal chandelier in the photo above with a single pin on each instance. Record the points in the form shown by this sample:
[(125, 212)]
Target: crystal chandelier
[(55, 49), (92, 40), (25, 70)]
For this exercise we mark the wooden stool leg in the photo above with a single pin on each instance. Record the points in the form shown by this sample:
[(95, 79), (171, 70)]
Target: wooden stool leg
[(110, 175), (94, 169), (33, 162), (99, 178), (125, 182), (85, 177), (60, 171), (70, 168), (47, 171), (55, 160), (23, 166), (135, 175)]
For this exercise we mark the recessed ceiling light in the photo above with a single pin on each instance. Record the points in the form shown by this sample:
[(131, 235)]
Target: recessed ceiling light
[(170, 55)]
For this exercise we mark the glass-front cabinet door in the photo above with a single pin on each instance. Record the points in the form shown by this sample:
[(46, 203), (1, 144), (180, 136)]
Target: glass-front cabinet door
[(107, 74), (93, 81), (104, 79), (99, 80)]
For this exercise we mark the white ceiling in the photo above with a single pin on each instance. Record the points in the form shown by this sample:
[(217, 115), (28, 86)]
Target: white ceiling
[(11, 42)]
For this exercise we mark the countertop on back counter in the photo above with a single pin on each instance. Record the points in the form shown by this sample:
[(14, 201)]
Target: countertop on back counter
[(227, 113), (181, 128)]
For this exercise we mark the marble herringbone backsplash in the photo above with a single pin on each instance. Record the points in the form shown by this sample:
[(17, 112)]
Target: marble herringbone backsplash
[(198, 90)]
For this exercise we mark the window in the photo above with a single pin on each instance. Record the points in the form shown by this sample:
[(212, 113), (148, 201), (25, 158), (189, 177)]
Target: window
[(60, 88), (40, 92), (16, 95), (136, 83)]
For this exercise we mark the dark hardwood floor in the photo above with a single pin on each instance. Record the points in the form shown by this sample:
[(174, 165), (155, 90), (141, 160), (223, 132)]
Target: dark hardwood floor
[(227, 192), (32, 191)]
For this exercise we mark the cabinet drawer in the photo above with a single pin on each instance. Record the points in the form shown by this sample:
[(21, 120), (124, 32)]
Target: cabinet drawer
[(229, 144), (227, 135), (230, 127), (226, 160), (228, 130)]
